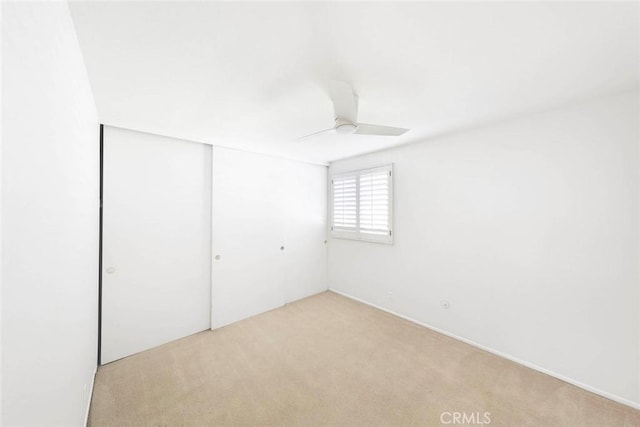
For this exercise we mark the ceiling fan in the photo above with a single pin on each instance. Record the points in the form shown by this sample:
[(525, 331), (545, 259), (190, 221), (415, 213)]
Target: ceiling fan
[(345, 109)]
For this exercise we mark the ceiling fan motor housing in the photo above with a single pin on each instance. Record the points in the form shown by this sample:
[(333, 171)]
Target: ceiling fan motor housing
[(344, 126)]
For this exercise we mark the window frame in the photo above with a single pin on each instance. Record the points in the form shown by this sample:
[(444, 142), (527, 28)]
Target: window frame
[(357, 234)]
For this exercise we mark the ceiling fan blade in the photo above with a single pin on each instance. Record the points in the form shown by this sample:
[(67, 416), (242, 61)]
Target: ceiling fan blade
[(311, 135), (365, 129), (345, 102)]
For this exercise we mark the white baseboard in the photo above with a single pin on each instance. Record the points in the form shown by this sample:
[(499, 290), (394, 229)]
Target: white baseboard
[(583, 386), (93, 380)]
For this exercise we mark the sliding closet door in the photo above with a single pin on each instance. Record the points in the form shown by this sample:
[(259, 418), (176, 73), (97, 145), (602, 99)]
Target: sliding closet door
[(269, 233), (248, 270), (156, 277)]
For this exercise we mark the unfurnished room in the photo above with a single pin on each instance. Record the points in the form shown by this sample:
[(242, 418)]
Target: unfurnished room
[(320, 213)]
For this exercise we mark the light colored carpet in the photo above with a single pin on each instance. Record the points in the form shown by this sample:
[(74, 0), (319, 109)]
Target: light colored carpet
[(330, 361)]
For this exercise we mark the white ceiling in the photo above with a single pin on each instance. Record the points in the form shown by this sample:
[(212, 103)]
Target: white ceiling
[(254, 76)]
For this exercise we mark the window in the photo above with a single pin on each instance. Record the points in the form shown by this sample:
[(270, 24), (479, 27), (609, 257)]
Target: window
[(361, 205)]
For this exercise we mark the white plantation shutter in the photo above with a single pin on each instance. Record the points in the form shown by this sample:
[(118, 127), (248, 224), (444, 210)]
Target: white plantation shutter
[(361, 204), (344, 203), (374, 203)]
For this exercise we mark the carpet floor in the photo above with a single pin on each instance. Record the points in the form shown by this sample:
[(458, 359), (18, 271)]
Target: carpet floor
[(331, 361)]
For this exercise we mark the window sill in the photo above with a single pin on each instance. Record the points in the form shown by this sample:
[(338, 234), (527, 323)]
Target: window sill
[(386, 240)]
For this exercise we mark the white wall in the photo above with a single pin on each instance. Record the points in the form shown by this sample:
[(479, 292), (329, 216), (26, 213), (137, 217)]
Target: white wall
[(49, 219), (261, 203), (529, 229), (1, 135)]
